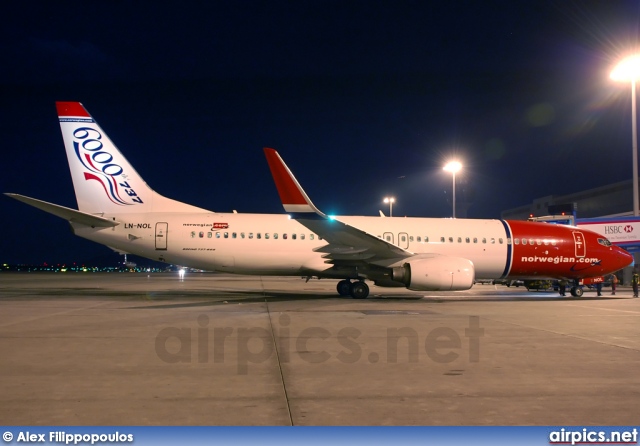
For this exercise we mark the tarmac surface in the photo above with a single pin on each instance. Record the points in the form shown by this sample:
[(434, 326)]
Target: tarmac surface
[(214, 349)]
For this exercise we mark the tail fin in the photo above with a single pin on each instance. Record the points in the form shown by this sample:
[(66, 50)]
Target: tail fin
[(103, 179)]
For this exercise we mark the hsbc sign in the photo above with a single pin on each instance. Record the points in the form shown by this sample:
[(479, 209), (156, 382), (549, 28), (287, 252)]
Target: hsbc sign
[(616, 231), (610, 229)]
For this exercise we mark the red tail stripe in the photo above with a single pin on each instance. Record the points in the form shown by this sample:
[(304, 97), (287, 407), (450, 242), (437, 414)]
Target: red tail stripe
[(71, 109)]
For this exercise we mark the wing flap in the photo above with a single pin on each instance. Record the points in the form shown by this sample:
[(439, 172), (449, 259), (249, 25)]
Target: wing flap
[(344, 238), (362, 256), (339, 249)]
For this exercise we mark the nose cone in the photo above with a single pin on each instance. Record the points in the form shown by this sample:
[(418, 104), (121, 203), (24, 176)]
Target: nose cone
[(621, 258)]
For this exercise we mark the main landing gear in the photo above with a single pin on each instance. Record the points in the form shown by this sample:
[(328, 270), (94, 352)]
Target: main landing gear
[(357, 290)]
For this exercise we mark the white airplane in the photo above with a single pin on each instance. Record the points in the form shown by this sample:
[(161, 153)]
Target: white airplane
[(118, 209)]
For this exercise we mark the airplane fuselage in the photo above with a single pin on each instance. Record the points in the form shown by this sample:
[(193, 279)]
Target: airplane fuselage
[(118, 209), (274, 244)]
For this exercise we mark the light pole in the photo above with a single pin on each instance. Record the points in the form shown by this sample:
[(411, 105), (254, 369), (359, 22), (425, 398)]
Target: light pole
[(453, 167), (390, 200), (629, 70)]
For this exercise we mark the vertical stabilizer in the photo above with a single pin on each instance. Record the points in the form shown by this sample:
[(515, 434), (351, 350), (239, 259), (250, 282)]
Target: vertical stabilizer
[(103, 179)]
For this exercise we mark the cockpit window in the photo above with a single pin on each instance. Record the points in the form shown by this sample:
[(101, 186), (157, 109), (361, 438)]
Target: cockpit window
[(604, 242)]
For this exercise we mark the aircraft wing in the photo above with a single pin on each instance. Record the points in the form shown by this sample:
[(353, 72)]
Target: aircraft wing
[(346, 242), (67, 213)]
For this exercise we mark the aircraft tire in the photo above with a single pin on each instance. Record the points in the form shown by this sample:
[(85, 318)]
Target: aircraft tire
[(577, 291), (359, 290), (344, 288)]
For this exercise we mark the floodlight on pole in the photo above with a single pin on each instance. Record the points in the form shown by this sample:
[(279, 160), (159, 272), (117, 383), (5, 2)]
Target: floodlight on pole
[(390, 200), (625, 71), (453, 167)]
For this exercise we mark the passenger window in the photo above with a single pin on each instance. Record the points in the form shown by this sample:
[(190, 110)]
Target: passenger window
[(193, 234), (293, 236), (217, 235), (311, 236), (242, 235), (426, 239), (538, 242), (284, 236), (467, 240), (524, 241), (475, 240), (226, 235), (493, 241), (251, 235), (234, 235), (201, 234), (531, 241), (404, 238), (484, 240), (516, 241), (209, 234), (500, 241), (258, 235), (411, 238), (441, 239), (266, 235), (301, 236), (459, 239), (275, 235), (419, 239), (450, 239)]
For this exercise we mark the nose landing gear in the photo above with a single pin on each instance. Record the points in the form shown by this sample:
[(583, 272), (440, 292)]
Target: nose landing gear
[(577, 291)]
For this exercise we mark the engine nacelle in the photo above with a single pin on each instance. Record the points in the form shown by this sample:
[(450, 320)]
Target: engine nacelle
[(440, 273)]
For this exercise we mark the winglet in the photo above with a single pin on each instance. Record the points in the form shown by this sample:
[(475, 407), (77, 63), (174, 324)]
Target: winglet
[(293, 197)]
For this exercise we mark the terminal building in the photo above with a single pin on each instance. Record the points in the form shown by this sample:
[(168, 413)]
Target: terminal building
[(606, 210), (614, 200)]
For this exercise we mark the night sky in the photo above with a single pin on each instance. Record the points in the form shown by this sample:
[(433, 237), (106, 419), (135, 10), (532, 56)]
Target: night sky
[(362, 99)]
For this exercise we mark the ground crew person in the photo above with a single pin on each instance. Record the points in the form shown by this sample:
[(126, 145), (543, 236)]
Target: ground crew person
[(562, 286), (635, 279)]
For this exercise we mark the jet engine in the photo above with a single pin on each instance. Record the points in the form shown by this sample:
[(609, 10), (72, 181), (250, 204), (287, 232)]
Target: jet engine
[(439, 273)]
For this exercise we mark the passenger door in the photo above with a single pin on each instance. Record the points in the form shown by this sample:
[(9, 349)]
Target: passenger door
[(581, 248), (162, 229)]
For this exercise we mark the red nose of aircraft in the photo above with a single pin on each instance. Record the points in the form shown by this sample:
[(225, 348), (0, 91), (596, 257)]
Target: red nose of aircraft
[(620, 258)]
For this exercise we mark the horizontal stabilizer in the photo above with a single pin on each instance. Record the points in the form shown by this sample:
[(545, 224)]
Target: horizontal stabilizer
[(67, 213)]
